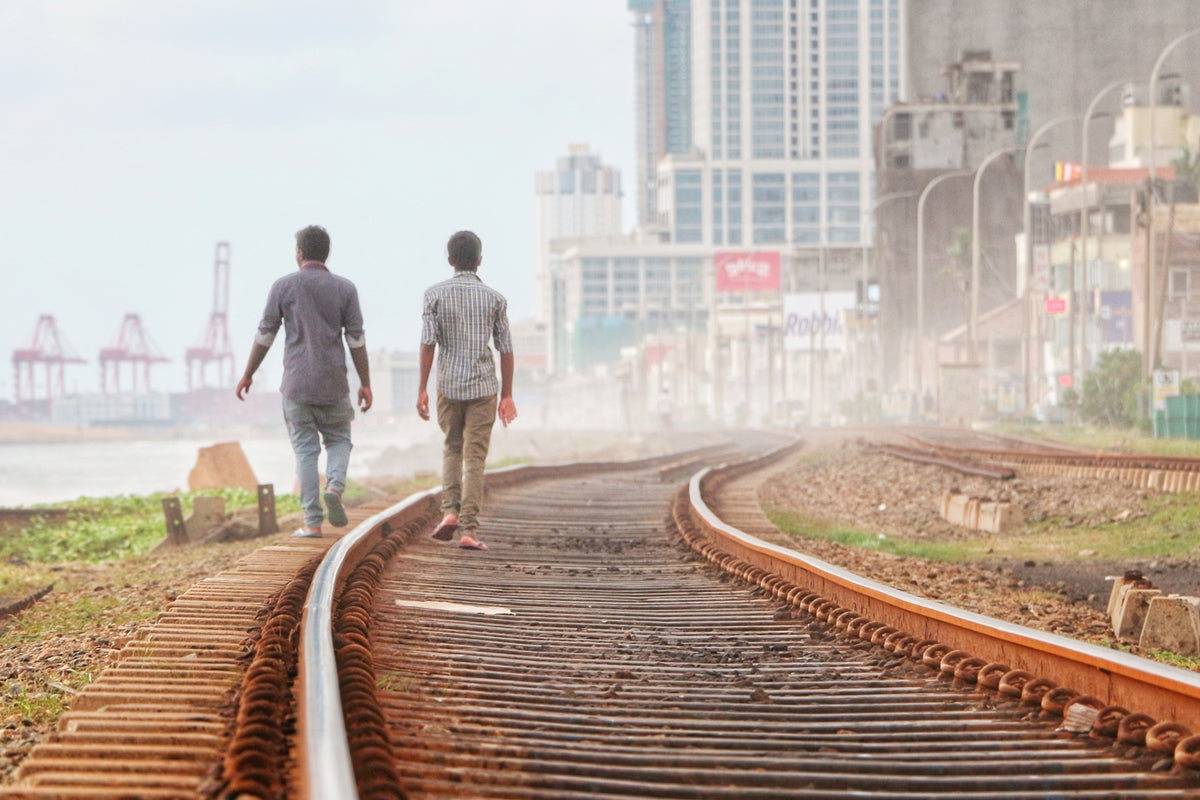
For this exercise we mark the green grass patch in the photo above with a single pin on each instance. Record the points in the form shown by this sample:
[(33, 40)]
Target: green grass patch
[(796, 524), (38, 703), (1191, 663), (1107, 439), (111, 528), (74, 612), (1170, 528)]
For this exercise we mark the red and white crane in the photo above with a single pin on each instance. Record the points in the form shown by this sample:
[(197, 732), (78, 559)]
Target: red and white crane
[(132, 346), (214, 348), (48, 348)]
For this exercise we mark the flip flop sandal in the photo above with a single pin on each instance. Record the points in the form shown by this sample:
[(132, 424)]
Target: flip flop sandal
[(305, 533), (473, 546), (444, 532)]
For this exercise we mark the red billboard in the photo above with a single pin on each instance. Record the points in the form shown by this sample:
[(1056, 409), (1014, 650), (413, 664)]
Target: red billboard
[(747, 272)]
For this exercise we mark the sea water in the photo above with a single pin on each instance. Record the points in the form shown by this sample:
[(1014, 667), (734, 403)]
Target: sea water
[(52, 472)]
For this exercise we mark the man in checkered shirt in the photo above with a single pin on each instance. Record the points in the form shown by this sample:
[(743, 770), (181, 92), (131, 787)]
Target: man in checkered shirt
[(460, 316)]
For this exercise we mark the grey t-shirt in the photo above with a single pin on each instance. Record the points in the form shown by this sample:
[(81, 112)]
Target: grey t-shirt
[(315, 307)]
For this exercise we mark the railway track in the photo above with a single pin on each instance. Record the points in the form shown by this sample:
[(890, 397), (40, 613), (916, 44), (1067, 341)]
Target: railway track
[(1001, 456), (621, 639)]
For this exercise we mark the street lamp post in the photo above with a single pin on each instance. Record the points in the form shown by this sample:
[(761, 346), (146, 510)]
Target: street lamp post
[(1028, 223), (976, 251), (1084, 215), (1151, 152), (918, 351), (887, 198)]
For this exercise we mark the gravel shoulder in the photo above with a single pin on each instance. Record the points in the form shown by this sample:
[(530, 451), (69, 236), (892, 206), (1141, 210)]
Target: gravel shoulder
[(836, 480)]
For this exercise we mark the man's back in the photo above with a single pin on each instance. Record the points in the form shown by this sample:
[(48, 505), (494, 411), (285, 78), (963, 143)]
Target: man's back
[(315, 307), (460, 316)]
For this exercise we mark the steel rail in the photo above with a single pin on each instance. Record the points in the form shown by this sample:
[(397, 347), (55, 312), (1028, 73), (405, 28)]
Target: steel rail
[(1159, 690), (956, 464), (321, 728)]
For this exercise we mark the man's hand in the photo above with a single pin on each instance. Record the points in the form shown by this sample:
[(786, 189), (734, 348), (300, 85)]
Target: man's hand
[(365, 398), (243, 387), (507, 411), (423, 404)]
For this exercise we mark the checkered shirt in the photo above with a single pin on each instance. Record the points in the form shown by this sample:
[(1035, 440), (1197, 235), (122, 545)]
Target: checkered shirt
[(459, 316)]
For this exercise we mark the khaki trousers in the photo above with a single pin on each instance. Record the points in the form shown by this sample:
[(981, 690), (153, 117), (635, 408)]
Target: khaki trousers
[(467, 425)]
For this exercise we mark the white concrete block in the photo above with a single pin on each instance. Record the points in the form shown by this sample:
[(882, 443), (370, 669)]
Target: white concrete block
[(1172, 624)]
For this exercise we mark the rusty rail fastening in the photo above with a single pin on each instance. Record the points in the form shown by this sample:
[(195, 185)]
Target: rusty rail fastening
[(371, 751), (1098, 713), (258, 746)]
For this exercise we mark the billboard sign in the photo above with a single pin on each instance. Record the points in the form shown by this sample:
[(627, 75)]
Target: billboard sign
[(747, 272), (1116, 317), (814, 323), (1166, 384), (1056, 305)]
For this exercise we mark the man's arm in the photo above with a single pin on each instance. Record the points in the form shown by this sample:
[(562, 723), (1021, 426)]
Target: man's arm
[(264, 337), (363, 367), (427, 351), (508, 409), (257, 353)]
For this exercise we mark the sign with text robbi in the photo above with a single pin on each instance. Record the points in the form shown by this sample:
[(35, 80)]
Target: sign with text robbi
[(747, 272), (814, 322)]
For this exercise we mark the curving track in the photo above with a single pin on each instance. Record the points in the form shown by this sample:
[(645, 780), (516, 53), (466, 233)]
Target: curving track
[(596, 652)]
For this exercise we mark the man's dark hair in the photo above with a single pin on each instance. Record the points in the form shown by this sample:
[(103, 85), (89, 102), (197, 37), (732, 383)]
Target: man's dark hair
[(313, 242), (465, 250)]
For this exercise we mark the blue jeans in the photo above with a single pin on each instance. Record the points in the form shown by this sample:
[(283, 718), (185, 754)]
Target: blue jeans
[(308, 426)]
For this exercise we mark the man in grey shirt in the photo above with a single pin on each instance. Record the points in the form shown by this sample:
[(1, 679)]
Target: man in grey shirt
[(458, 319), (316, 309)]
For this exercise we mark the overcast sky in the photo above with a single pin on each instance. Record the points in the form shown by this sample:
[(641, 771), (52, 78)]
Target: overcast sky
[(138, 133)]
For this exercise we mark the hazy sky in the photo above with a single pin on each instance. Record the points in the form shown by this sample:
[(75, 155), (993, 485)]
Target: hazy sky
[(138, 133)]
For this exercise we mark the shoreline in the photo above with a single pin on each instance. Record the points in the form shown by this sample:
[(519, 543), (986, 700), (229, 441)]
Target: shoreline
[(57, 464)]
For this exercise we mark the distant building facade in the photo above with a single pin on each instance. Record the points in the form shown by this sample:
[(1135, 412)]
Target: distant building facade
[(662, 91), (1068, 49), (931, 147), (580, 197), (395, 376), (784, 100), (609, 291)]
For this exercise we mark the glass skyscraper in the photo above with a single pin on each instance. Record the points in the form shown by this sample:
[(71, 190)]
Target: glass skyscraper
[(785, 94), (662, 53)]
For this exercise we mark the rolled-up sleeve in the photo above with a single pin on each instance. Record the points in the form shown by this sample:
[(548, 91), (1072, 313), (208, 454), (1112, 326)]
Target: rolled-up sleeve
[(501, 335), (430, 333), (352, 322), (272, 318)]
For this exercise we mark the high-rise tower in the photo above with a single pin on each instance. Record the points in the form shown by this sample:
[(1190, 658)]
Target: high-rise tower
[(580, 197), (785, 96), (662, 70)]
